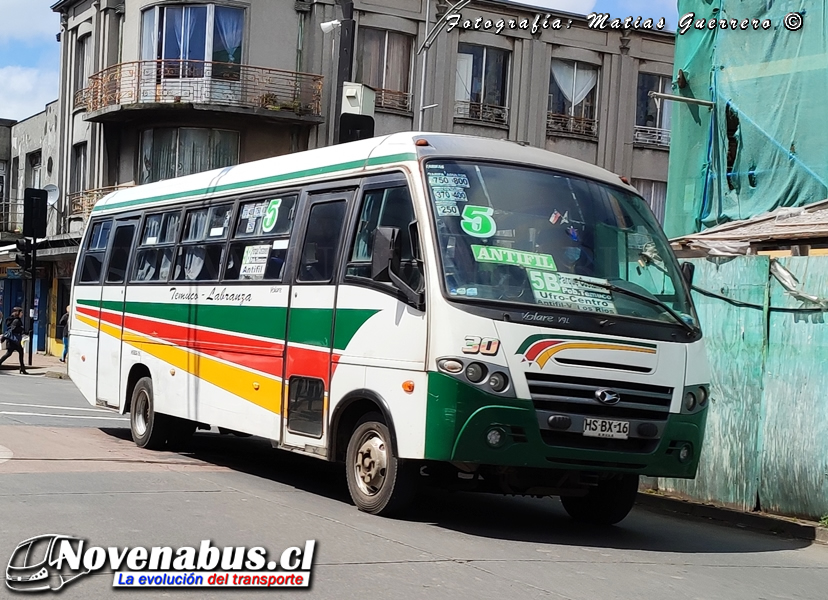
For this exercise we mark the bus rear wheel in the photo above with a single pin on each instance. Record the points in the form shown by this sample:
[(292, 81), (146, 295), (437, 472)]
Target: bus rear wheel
[(149, 429), (607, 503), (379, 482)]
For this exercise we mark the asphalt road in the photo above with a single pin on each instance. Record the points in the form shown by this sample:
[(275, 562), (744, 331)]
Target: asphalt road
[(68, 468)]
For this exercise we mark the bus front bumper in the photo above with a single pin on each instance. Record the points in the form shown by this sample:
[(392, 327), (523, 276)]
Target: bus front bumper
[(467, 425)]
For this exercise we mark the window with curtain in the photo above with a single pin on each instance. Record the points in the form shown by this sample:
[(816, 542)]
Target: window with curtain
[(175, 151), (77, 177), (185, 36), (385, 65), (481, 84), (655, 193), (201, 250), (573, 92), (652, 119), (82, 61)]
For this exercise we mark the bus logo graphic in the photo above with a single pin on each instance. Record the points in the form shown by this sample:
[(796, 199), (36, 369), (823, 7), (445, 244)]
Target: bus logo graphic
[(607, 396), (34, 565), (539, 349)]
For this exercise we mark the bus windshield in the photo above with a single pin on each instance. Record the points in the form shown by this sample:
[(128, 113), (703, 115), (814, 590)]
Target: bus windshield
[(538, 237)]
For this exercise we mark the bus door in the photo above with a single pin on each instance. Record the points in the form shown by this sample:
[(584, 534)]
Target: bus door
[(113, 295), (310, 321)]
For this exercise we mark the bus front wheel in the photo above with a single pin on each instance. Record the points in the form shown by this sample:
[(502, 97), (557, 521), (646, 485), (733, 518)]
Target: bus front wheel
[(149, 429), (379, 482), (607, 503)]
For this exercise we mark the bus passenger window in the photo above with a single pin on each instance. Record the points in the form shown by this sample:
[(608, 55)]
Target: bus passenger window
[(118, 260), (198, 263), (321, 241), (263, 225), (256, 261), (388, 207), (154, 258), (202, 262), (95, 252)]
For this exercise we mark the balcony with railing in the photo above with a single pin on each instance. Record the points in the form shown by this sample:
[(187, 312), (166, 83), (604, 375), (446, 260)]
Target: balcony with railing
[(570, 125), (82, 203), (652, 136), (392, 100), (163, 84), (485, 113), (11, 217), (81, 99)]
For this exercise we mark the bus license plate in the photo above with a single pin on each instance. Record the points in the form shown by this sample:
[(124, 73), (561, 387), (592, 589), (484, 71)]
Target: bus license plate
[(606, 429)]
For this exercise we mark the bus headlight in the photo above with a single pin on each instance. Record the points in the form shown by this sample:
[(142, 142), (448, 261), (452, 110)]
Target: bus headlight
[(498, 382), (703, 396), (689, 401), (450, 365), (476, 372)]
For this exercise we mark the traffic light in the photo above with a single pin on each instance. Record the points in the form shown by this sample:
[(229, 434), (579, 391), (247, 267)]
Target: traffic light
[(34, 213), (355, 127), (23, 257)]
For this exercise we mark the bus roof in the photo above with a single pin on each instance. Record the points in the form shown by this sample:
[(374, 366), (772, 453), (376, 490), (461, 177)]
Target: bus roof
[(353, 158)]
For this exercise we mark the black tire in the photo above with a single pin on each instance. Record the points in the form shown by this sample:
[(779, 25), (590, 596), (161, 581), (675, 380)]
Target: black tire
[(606, 504), (149, 429), (374, 489)]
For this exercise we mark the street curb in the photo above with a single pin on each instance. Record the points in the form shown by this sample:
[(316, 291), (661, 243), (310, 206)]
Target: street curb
[(761, 522), (56, 375)]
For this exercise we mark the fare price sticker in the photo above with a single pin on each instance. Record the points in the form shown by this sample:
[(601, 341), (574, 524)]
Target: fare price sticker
[(572, 292)]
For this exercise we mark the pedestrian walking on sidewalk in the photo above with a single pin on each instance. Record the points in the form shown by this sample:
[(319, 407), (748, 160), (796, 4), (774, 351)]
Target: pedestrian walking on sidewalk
[(14, 337), (64, 325)]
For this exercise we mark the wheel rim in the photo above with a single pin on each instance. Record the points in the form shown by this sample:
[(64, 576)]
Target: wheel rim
[(141, 412), (371, 463)]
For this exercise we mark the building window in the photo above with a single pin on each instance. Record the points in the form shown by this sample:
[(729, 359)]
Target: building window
[(655, 193), (652, 119), (385, 65), (77, 177), (184, 37), (481, 87), (34, 160), (173, 152), (82, 61), (573, 93)]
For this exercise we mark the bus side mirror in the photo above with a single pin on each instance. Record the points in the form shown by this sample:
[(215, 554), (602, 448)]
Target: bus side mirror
[(385, 264), (687, 271)]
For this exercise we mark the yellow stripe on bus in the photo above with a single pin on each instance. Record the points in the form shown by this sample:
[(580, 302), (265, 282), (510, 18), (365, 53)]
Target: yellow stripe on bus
[(237, 381)]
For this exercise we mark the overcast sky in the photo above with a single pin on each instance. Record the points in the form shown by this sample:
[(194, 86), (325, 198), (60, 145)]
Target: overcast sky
[(29, 52)]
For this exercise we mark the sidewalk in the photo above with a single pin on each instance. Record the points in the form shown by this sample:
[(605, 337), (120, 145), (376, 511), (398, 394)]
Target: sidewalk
[(660, 501), (42, 364)]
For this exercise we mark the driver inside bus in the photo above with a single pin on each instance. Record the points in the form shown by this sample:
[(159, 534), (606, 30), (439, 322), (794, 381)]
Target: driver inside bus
[(566, 245)]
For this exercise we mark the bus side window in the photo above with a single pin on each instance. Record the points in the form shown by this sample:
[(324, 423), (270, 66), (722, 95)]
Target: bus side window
[(385, 207), (321, 242), (202, 245), (92, 266), (261, 240), (156, 247)]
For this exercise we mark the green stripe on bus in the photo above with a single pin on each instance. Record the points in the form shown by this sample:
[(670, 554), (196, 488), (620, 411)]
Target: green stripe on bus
[(536, 338), (311, 326), (354, 164)]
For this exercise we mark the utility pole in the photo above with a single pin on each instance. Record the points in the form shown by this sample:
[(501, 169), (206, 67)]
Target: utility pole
[(347, 28), (34, 226)]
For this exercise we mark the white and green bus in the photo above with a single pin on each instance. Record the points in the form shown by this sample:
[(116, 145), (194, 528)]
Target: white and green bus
[(435, 308)]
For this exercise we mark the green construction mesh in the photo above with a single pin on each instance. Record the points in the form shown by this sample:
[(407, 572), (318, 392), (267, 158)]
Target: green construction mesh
[(765, 142)]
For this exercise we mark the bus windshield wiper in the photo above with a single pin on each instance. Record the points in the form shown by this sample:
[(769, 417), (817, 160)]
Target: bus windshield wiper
[(647, 299)]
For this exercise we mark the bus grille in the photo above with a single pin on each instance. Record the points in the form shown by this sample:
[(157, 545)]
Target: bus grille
[(573, 395)]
